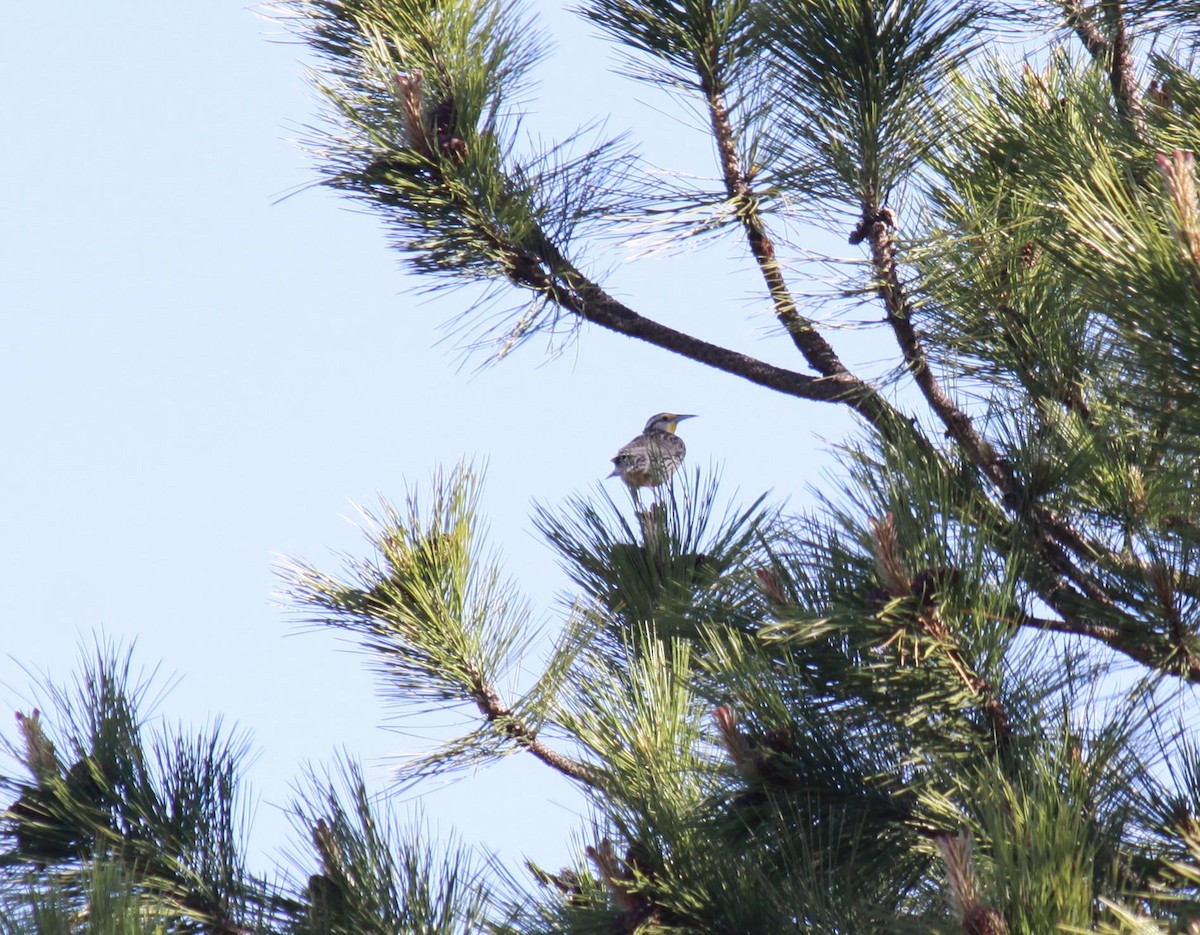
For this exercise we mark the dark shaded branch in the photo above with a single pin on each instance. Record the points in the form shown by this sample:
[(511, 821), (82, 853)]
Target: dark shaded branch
[(876, 228), (1115, 55), (1184, 525), (1122, 75), (1073, 625), (542, 268), (1150, 650), (1166, 589), (592, 303), (1091, 37), (1053, 539)]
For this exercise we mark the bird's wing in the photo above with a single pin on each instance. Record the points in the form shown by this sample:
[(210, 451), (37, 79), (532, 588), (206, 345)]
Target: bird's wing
[(632, 455)]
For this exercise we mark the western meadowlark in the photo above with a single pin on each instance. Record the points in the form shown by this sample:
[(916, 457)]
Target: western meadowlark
[(652, 457)]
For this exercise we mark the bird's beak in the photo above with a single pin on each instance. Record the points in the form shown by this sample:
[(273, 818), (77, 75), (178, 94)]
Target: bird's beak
[(681, 418)]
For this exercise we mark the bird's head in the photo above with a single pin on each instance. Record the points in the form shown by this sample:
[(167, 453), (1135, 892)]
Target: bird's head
[(666, 422)]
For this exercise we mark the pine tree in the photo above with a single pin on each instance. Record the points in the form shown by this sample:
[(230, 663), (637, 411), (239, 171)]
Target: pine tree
[(955, 696)]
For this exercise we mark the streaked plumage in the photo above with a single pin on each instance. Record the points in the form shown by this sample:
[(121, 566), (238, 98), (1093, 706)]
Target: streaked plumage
[(652, 457)]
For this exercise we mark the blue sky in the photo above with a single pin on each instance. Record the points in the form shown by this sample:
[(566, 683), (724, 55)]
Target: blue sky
[(199, 378)]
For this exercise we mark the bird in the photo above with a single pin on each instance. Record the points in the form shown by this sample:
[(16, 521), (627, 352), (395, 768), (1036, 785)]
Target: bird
[(652, 457)]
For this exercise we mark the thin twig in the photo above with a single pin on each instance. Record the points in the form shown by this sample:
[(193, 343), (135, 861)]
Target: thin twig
[(495, 711), (804, 334)]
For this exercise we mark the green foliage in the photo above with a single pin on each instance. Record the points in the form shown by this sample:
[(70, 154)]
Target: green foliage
[(698, 43), (677, 563), (153, 814), (114, 905), (426, 97), (787, 750), (859, 82), (441, 624), (373, 877)]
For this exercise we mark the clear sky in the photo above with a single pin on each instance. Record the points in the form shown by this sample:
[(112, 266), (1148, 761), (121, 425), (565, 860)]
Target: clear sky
[(198, 378)]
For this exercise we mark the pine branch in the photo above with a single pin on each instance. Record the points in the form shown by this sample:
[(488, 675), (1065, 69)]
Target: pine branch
[(580, 295), (440, 624), (371, 875), (1115, 628), (804, 334), (1115, 54), (495, 711), (558, 280), (1164, 654), (160, 810), (875, 228)]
